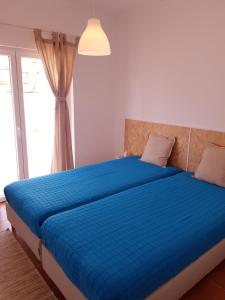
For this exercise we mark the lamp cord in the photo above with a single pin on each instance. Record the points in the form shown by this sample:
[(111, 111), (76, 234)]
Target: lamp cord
[(93, 9)]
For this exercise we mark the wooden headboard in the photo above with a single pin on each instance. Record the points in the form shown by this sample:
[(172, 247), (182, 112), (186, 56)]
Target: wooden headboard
[(190, 142), (137, 133)]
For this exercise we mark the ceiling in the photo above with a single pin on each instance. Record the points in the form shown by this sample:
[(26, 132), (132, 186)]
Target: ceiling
[(116, 5)]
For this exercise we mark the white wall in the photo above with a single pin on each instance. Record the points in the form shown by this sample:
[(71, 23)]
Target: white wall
[(167, 65), (173, 55), (93, 88)]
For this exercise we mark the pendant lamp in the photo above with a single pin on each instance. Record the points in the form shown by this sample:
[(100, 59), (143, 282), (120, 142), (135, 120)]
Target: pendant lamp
[(94, 41)]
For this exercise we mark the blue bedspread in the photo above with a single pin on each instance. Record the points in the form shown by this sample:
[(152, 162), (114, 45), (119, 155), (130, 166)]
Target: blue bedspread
[(36, 199), (129, 244)]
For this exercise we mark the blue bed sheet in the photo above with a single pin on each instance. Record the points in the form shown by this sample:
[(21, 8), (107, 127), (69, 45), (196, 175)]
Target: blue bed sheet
[(129, 244), (36, 199)]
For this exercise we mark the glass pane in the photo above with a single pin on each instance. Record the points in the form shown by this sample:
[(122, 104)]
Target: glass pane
[(39, 105), (8, 152)]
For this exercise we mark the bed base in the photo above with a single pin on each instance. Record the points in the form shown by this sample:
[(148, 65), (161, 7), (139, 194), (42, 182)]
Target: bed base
[(23, 231), (63, 283), (174, 289)]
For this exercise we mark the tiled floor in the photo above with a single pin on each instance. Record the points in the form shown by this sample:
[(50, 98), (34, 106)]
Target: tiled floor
[(212, 287)]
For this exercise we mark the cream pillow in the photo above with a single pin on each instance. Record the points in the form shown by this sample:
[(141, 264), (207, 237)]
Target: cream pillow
[(212, 165), (158, 150)]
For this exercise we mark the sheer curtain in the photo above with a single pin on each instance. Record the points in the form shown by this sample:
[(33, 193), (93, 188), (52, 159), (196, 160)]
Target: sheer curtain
[(58, 57)]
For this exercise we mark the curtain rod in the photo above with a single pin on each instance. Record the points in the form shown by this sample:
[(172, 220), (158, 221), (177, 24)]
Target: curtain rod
[(19, 27)]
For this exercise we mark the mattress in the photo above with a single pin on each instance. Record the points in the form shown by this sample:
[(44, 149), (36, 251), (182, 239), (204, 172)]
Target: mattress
[(36, 199), (129, 244)]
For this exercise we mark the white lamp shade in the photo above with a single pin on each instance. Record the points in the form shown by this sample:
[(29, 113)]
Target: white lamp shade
[(94, 41)]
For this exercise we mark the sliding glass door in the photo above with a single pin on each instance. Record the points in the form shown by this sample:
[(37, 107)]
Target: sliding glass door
[(26, 117), (39, 107), (9, 163)]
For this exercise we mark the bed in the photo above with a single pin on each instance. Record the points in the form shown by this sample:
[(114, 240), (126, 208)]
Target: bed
[(138, 243), (32, 201)]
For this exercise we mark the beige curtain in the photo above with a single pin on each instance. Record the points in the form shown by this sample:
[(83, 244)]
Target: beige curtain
[(58, 56)]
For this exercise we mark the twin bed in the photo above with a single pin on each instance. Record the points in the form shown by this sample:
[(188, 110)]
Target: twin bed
[(34, 200), (129, 244), (124, 229)]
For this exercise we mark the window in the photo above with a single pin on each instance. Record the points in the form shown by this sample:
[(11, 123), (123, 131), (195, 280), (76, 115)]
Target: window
[(26, 117)]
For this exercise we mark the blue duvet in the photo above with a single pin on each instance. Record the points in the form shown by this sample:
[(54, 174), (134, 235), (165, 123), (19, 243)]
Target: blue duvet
[(129, 244), (36, 199)]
